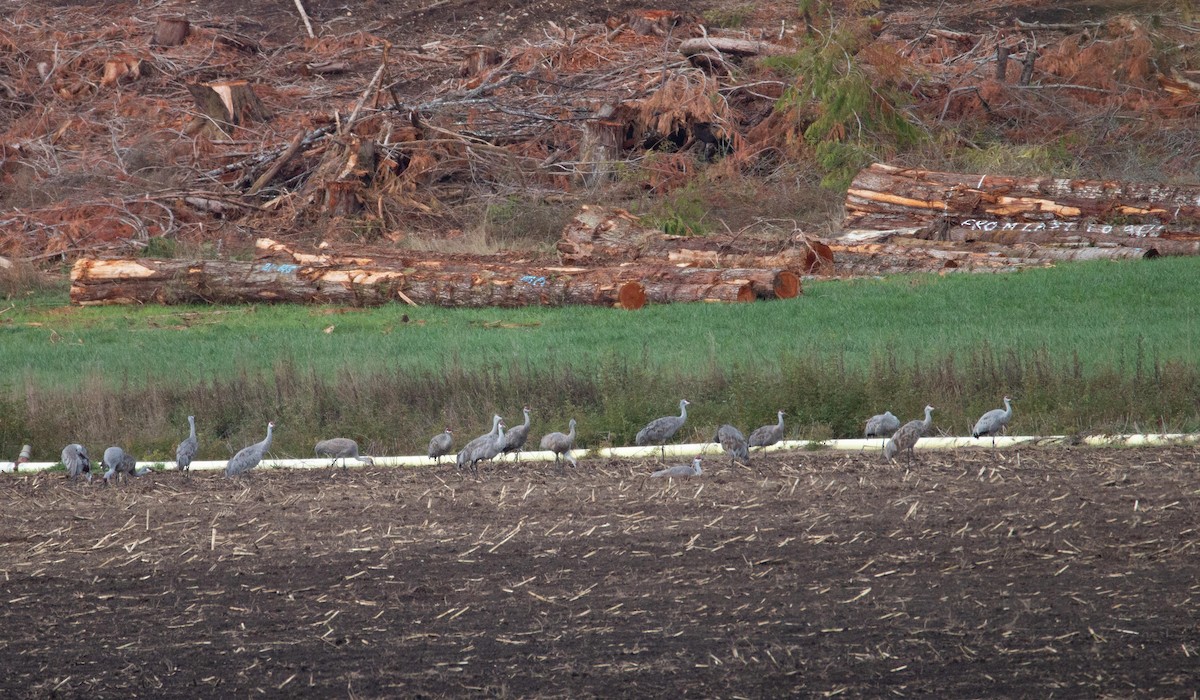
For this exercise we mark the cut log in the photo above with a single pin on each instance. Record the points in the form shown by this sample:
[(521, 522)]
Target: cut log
[(887, 197), (226, 105), (96, 282), (764, 283), (1012, 236), (734, 47), (170, 31)]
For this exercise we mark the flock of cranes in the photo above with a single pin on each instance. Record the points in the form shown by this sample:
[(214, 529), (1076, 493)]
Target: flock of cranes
[(900, 439)]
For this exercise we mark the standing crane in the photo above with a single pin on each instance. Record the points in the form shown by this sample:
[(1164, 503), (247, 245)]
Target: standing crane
[(733, 442), (881, 425), (248, 458), (470, 447), (659, 430), (993, 422), (679, 470), (514, 439), (340, 448), (906, 437), (186, 452), (75, 459), (119, 464), (768, 434), (560, 444), (441, 444), (483, 447)]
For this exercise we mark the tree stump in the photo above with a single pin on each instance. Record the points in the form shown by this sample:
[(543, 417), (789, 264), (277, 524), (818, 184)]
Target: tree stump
[(342, 198), (122, 67), (478, 60), (171, 31), (226, 105), (600, 148)]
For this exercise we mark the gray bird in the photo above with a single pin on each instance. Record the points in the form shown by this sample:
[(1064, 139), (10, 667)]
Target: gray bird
[(514, 439), (906, 437), (881, 425), (482, 447), (768, 434), (120, 464), (994, 421), (186, 452), (560, 444), (679, 470), (733, 442), (248, 458), (340, 448), (441, 444), (75, 459), (474, 444), (659, 430)]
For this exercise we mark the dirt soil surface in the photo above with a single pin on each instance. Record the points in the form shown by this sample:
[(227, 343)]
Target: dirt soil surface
[(1066, 573)]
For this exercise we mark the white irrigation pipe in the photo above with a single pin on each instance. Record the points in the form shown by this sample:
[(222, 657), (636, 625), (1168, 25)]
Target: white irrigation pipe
[(703, 449)]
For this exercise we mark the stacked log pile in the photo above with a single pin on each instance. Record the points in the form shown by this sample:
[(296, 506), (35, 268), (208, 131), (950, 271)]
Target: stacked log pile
[(907, 217)]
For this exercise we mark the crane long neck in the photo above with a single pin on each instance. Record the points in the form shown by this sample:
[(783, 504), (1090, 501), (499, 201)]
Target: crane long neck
[(267, 442), (928, 419), (683, 411), (191, 427), (1007, 408), (571, 433), (496, 424), (780, 424), (526, 424)]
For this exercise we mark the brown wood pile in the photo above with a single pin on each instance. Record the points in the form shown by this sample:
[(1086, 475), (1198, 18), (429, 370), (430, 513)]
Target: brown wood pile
[(898, 218)]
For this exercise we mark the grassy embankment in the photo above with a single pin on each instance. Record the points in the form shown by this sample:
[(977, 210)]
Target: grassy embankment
[(1081, 348)]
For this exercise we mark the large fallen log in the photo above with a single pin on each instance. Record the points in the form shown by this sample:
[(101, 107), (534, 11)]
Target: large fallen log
[(765, 283), (970, 232), (604, 235), (883, 197), (95, 282)]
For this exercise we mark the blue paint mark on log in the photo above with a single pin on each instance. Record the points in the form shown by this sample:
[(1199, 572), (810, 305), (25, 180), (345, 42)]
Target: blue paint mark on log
[(282, 268), (534, 281)]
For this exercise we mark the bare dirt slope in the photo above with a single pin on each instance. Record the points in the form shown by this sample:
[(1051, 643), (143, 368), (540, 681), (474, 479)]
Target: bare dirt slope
[(977, 574)]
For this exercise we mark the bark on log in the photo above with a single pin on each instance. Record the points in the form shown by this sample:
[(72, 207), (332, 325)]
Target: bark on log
[(733, 47), (888, 197), (603, 235), (97, 282), (226, 104), (170, 31), (913, 258), (1012, 237)]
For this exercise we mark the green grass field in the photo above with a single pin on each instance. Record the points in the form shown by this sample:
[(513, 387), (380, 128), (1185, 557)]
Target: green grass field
[(1082, 347)]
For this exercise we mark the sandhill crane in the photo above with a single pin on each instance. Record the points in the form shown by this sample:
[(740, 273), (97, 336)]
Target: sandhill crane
[(441, 444), (75, 459), (733, 442), (994, 421), (119, 464), (768, 434), (908, 434), (186, 452), (560, 444), (481, 448), (465, 453), (514, 439), (680, 470), (659, 430), (248, 458), (340, 448), (881, 425)]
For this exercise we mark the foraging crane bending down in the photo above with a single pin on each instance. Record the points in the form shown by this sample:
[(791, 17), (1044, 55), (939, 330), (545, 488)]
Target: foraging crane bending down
[(908, 434), (248, 458), (679, 470), (560, 444), (881, 425), (994, 421), (340, 448), (659, 430), (481, 448), (768, 434), (733, 442), (75, 459), (465, 453), (120, 463), (514, 439), (186, 452), (441, 445)]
